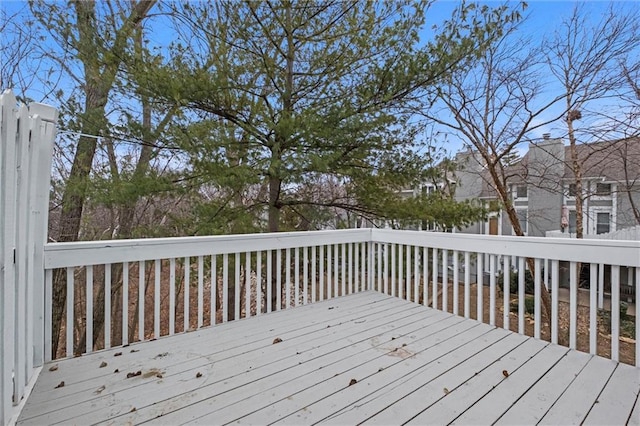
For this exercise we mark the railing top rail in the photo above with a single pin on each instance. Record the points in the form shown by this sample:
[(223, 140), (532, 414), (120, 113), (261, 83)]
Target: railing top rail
[(62, 255), (610, 252)]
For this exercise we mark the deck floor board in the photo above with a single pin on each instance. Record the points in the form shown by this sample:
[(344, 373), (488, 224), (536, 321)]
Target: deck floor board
[(365, 357)]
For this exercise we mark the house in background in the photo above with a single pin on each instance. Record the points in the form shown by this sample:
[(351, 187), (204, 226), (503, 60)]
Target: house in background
[(541, 183)]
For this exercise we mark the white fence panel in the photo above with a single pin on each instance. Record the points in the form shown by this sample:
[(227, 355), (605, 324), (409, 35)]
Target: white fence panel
[(26, 143)]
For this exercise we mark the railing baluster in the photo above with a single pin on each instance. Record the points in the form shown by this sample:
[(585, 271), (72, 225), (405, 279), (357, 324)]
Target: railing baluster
[(213, 301), (521, 288), (425, 276), (89, 312), (445, 280), (344, 266), (329, 269), (615, 312), (172, 295), (408, 274), (187, 298), (456, 283), (555, 267), (125, 303), (434, 283), (537, 317), (269, 280), (225, 287), (200, 291), (247, 284), (356, 268), (480, 289), (492, 289), (236, 287), (467, 284), (506, 291), (416, 274), (305, 275), (593, 312), (393, 269), (107, 306), (156, 299), (288, 278), (365, 266), (400, 275), (379, 266), (314, 277), (573, 304), (70, 306), (258, 282), (278, 279), (349, 265), (321, 283), (386, 268), (296, 277), (141, 294)]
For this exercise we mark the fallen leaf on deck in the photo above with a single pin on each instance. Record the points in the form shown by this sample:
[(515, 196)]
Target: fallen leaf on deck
[(116, 371), (100, 389), (198, 375), (352, 382), (505, 373), (277, 340), (133, 409), (159, 376), (161, 355), (135, 350), (53, 367), (134, 374), (117, 354), (60, 385), (446, 391), (103, 364)]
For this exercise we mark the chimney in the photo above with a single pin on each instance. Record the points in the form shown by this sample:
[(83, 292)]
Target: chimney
[(546, 136)]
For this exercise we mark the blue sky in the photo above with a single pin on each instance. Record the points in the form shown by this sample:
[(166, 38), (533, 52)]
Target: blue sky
[(542, 18)]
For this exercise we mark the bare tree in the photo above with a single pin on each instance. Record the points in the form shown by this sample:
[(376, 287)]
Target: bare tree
[(585, 59)]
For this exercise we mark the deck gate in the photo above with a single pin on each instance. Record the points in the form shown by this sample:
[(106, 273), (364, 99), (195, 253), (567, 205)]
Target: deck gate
[(26, 145)]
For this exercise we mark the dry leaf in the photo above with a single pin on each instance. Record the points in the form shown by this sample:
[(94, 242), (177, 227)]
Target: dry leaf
[(60, 385), (100, 389), (134, 374), (159, 376), (133, 409), (117, 354), (116, 371), (198, 375), (446, 391), (135, 350), (352, 382), (53, 367), (103, 364), (505, 373), (277, 340)]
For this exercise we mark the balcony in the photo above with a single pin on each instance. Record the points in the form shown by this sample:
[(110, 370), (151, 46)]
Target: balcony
[(362, 329), (351, 326)]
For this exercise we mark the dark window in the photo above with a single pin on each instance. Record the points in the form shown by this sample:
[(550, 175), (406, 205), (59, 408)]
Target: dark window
[(572, 190), (603, 189), (603, 223), (522, 218), (572, 222), (521, 191)]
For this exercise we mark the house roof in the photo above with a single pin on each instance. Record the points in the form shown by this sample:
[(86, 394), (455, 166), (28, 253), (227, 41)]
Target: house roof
[(613, 161)]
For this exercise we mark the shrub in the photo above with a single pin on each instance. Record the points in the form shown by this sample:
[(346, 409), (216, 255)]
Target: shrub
[(513, 282), (529, 305)]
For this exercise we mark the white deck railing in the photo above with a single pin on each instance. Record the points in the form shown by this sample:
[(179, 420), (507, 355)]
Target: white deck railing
[(227, 275), (26, 144)]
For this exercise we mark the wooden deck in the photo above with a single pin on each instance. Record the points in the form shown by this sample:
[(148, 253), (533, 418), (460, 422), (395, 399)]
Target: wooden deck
[(366, 357)]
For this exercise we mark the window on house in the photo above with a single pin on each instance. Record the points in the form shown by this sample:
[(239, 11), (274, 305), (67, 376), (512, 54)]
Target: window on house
[(603, 223), (572, 190), (603, 189), (521, 191), (523, 219), (572, 222)]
